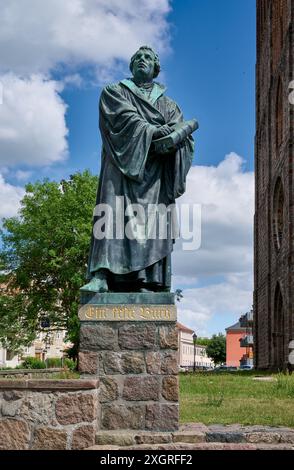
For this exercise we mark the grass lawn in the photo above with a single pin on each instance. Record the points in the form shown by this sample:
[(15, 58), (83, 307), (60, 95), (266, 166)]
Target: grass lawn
[(230, 398)]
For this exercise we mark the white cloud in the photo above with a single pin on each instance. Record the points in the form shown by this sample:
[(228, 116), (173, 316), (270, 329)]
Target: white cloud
[(224, 262), (204, 307), (10, 197), (21, 175), (32, 122), (226, 194), (74, 80), (37, 37), (75, 32)]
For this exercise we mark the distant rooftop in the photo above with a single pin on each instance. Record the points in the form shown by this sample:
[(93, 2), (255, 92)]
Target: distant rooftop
[(184, 328), (236, 327)]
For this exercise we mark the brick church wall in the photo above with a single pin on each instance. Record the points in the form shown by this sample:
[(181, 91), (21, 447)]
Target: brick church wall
[(274, 265)]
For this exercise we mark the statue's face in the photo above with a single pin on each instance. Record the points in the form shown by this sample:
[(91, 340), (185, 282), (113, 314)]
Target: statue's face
[(143, 65)]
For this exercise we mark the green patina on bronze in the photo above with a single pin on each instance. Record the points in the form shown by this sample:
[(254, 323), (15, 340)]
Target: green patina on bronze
[(132, 115), (126, 298)]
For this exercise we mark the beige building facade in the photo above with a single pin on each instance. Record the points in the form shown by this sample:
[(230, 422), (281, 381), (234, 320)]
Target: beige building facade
[(186, 350), (47, 345)]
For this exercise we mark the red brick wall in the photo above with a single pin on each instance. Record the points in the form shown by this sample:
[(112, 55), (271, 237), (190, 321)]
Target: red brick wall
[(273, 159)]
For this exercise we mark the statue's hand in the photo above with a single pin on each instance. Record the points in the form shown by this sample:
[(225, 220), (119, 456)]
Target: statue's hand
[(162, 131)]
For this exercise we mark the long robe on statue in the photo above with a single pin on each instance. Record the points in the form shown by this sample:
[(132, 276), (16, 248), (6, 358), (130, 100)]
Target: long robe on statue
[(132, 174)]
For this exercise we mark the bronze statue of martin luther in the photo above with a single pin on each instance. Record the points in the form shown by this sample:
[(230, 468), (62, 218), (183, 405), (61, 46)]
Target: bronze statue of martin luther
[(146, 155)]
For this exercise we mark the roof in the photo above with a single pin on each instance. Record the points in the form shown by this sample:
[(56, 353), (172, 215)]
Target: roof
[(236, 327), (184, 328)]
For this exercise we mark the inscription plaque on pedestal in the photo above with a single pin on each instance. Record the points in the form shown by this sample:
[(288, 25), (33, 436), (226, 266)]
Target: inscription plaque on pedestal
[(127, 312)]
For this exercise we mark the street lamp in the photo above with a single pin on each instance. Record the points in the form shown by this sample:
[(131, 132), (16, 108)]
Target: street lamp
[(194, 336)]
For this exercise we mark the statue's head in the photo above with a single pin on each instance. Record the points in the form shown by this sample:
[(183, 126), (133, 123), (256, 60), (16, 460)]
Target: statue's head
[(145, 62)]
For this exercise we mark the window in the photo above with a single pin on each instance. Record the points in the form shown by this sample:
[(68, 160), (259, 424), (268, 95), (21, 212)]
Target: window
[(10, 355)]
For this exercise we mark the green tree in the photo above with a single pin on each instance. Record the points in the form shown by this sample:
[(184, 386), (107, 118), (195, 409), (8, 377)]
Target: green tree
[(216, 349), (43, 259), (203, 341)]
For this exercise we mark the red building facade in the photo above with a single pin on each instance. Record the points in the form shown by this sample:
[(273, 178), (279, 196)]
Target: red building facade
[(239, 343)]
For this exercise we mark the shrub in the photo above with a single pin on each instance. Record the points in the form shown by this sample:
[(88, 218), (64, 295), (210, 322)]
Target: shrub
[(53, 362), (33, 363), (70, 364)]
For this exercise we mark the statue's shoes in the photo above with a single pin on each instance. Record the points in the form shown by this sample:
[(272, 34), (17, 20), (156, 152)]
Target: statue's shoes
[(96, 285)]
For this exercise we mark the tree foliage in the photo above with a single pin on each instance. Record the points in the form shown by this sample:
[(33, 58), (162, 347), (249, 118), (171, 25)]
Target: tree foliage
[(203, 341), (216, 348), (43, 259)]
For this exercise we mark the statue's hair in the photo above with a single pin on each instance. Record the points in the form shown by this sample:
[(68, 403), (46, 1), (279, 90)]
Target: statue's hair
[(156, 60)]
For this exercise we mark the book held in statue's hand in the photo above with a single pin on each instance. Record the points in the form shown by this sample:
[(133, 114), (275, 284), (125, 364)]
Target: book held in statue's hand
[(170, 142)]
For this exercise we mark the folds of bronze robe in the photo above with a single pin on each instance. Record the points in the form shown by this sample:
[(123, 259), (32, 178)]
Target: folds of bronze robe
[(131, 174)]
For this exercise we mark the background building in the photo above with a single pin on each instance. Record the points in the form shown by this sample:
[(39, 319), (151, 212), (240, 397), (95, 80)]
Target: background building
[(274, 211), (239, 342), (47, 345), (247, 342), (186, 350)]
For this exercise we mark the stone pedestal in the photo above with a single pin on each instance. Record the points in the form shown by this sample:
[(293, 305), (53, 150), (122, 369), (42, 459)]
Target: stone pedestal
[(130, 342)]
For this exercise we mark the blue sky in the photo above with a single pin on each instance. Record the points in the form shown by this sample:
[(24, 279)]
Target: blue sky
[(209, 72), (207, 51)]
